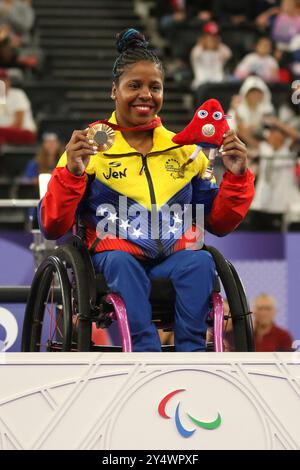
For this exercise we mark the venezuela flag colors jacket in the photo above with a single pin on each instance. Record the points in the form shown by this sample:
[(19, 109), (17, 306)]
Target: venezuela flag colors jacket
[(148, 184)]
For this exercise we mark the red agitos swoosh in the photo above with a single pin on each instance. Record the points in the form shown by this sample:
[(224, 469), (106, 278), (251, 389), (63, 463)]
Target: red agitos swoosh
[(164, 401)]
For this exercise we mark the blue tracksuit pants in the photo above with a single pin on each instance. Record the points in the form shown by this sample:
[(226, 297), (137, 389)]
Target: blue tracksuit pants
[(192, 274)]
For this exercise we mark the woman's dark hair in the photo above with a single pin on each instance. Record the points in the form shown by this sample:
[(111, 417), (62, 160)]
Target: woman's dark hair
[(132, 47)]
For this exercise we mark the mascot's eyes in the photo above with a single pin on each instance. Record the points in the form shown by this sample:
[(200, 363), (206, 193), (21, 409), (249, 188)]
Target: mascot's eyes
[(217, 115), (202, 114)]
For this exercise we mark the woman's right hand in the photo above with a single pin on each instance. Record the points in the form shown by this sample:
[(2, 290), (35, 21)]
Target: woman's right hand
[(79, 150)]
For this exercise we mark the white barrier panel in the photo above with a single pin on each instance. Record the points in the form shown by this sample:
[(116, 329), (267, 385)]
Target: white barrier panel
[(150, 401)]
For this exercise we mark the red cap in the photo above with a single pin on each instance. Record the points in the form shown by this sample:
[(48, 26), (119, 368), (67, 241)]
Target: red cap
[(211, 28)]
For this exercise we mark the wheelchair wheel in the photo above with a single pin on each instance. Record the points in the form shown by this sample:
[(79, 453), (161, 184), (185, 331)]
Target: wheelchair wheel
[(238, 304), (57, 312), (48, 315), (246, 308), (82, 292)]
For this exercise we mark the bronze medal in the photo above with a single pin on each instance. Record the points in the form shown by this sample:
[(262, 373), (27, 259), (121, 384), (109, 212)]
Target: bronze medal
[(102, 135)]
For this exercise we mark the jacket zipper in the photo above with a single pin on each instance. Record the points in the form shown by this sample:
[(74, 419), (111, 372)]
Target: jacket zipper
[(153, 202)]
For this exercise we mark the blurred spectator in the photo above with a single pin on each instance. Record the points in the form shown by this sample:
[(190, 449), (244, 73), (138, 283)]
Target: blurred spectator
[(175, 17), (287, 23), (249, 108), (261, 62), (276, 187), (10, 53), (268, 336), (173, 11), (265, 5), (8, 49), (19, 15), (17, 125), (209, 56), (234, 12), (46, 159), (266, 14)]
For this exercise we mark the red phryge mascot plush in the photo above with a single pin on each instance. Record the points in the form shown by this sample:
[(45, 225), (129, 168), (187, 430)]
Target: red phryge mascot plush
[(206, 130)]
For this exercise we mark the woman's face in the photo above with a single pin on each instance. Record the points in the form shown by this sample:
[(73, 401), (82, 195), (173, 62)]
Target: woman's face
[(138, 94)]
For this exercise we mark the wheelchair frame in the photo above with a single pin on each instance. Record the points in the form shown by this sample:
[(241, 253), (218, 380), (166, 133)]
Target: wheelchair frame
[(83, 299)]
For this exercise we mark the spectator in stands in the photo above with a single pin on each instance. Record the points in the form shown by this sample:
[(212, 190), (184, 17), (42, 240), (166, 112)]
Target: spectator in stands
[(171, 12), (260, 62), (12, 56), (249, 108), (19, 15), (17, 125), (276, 187), (234, 13), (287, 23), (283, 20), (46, 158), (268, 336), (8, 48), (209, 56), (265, 5), (175, 17), (266, 14)]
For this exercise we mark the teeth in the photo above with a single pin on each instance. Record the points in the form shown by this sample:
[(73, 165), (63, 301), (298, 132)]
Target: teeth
[(143, 107)]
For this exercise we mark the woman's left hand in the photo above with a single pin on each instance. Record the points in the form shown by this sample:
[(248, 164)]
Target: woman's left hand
[(234, 153)]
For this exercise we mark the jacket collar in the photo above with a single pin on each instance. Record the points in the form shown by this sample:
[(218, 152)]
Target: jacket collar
[(162, 141)]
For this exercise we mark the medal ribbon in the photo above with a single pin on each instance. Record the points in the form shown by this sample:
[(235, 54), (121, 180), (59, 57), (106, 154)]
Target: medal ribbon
[(156, 122)]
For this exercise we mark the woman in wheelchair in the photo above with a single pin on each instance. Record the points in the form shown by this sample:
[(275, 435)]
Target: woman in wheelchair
[(141, 171)]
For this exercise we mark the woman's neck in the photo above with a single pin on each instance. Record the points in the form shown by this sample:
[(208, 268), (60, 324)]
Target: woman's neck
[(140, 140)]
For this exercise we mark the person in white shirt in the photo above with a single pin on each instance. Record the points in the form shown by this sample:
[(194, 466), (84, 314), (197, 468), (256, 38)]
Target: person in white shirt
[(277, 186), (17, 125), (249, 108), (260, 62), (209, 56)]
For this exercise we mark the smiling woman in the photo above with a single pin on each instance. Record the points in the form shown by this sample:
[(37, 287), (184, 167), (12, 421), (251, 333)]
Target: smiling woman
[(143, 165)]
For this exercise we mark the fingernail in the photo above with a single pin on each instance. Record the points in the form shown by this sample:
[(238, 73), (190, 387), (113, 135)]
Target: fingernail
[(221, 149), (95, 147), (95, 152)]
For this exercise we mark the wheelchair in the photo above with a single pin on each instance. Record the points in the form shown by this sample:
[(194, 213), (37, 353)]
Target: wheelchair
[(67, 301)]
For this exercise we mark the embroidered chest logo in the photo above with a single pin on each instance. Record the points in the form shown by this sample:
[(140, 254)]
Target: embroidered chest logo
[(112, 173), (173, 167)]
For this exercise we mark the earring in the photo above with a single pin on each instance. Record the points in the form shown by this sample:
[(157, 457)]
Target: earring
[(113, 97)]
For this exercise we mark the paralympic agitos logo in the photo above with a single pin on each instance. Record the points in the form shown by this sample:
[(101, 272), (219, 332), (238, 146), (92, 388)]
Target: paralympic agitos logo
[(211, 425)]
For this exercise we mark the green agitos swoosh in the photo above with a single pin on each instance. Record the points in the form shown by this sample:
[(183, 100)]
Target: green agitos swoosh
[(212, 425)]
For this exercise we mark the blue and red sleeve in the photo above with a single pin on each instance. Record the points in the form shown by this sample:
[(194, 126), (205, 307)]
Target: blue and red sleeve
[(56, 211), (225, 207)]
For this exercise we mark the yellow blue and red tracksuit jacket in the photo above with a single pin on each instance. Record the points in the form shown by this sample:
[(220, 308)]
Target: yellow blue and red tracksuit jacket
[(147, 181)]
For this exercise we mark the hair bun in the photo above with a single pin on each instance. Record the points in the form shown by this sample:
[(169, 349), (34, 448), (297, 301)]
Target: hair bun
[(130, 39)]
